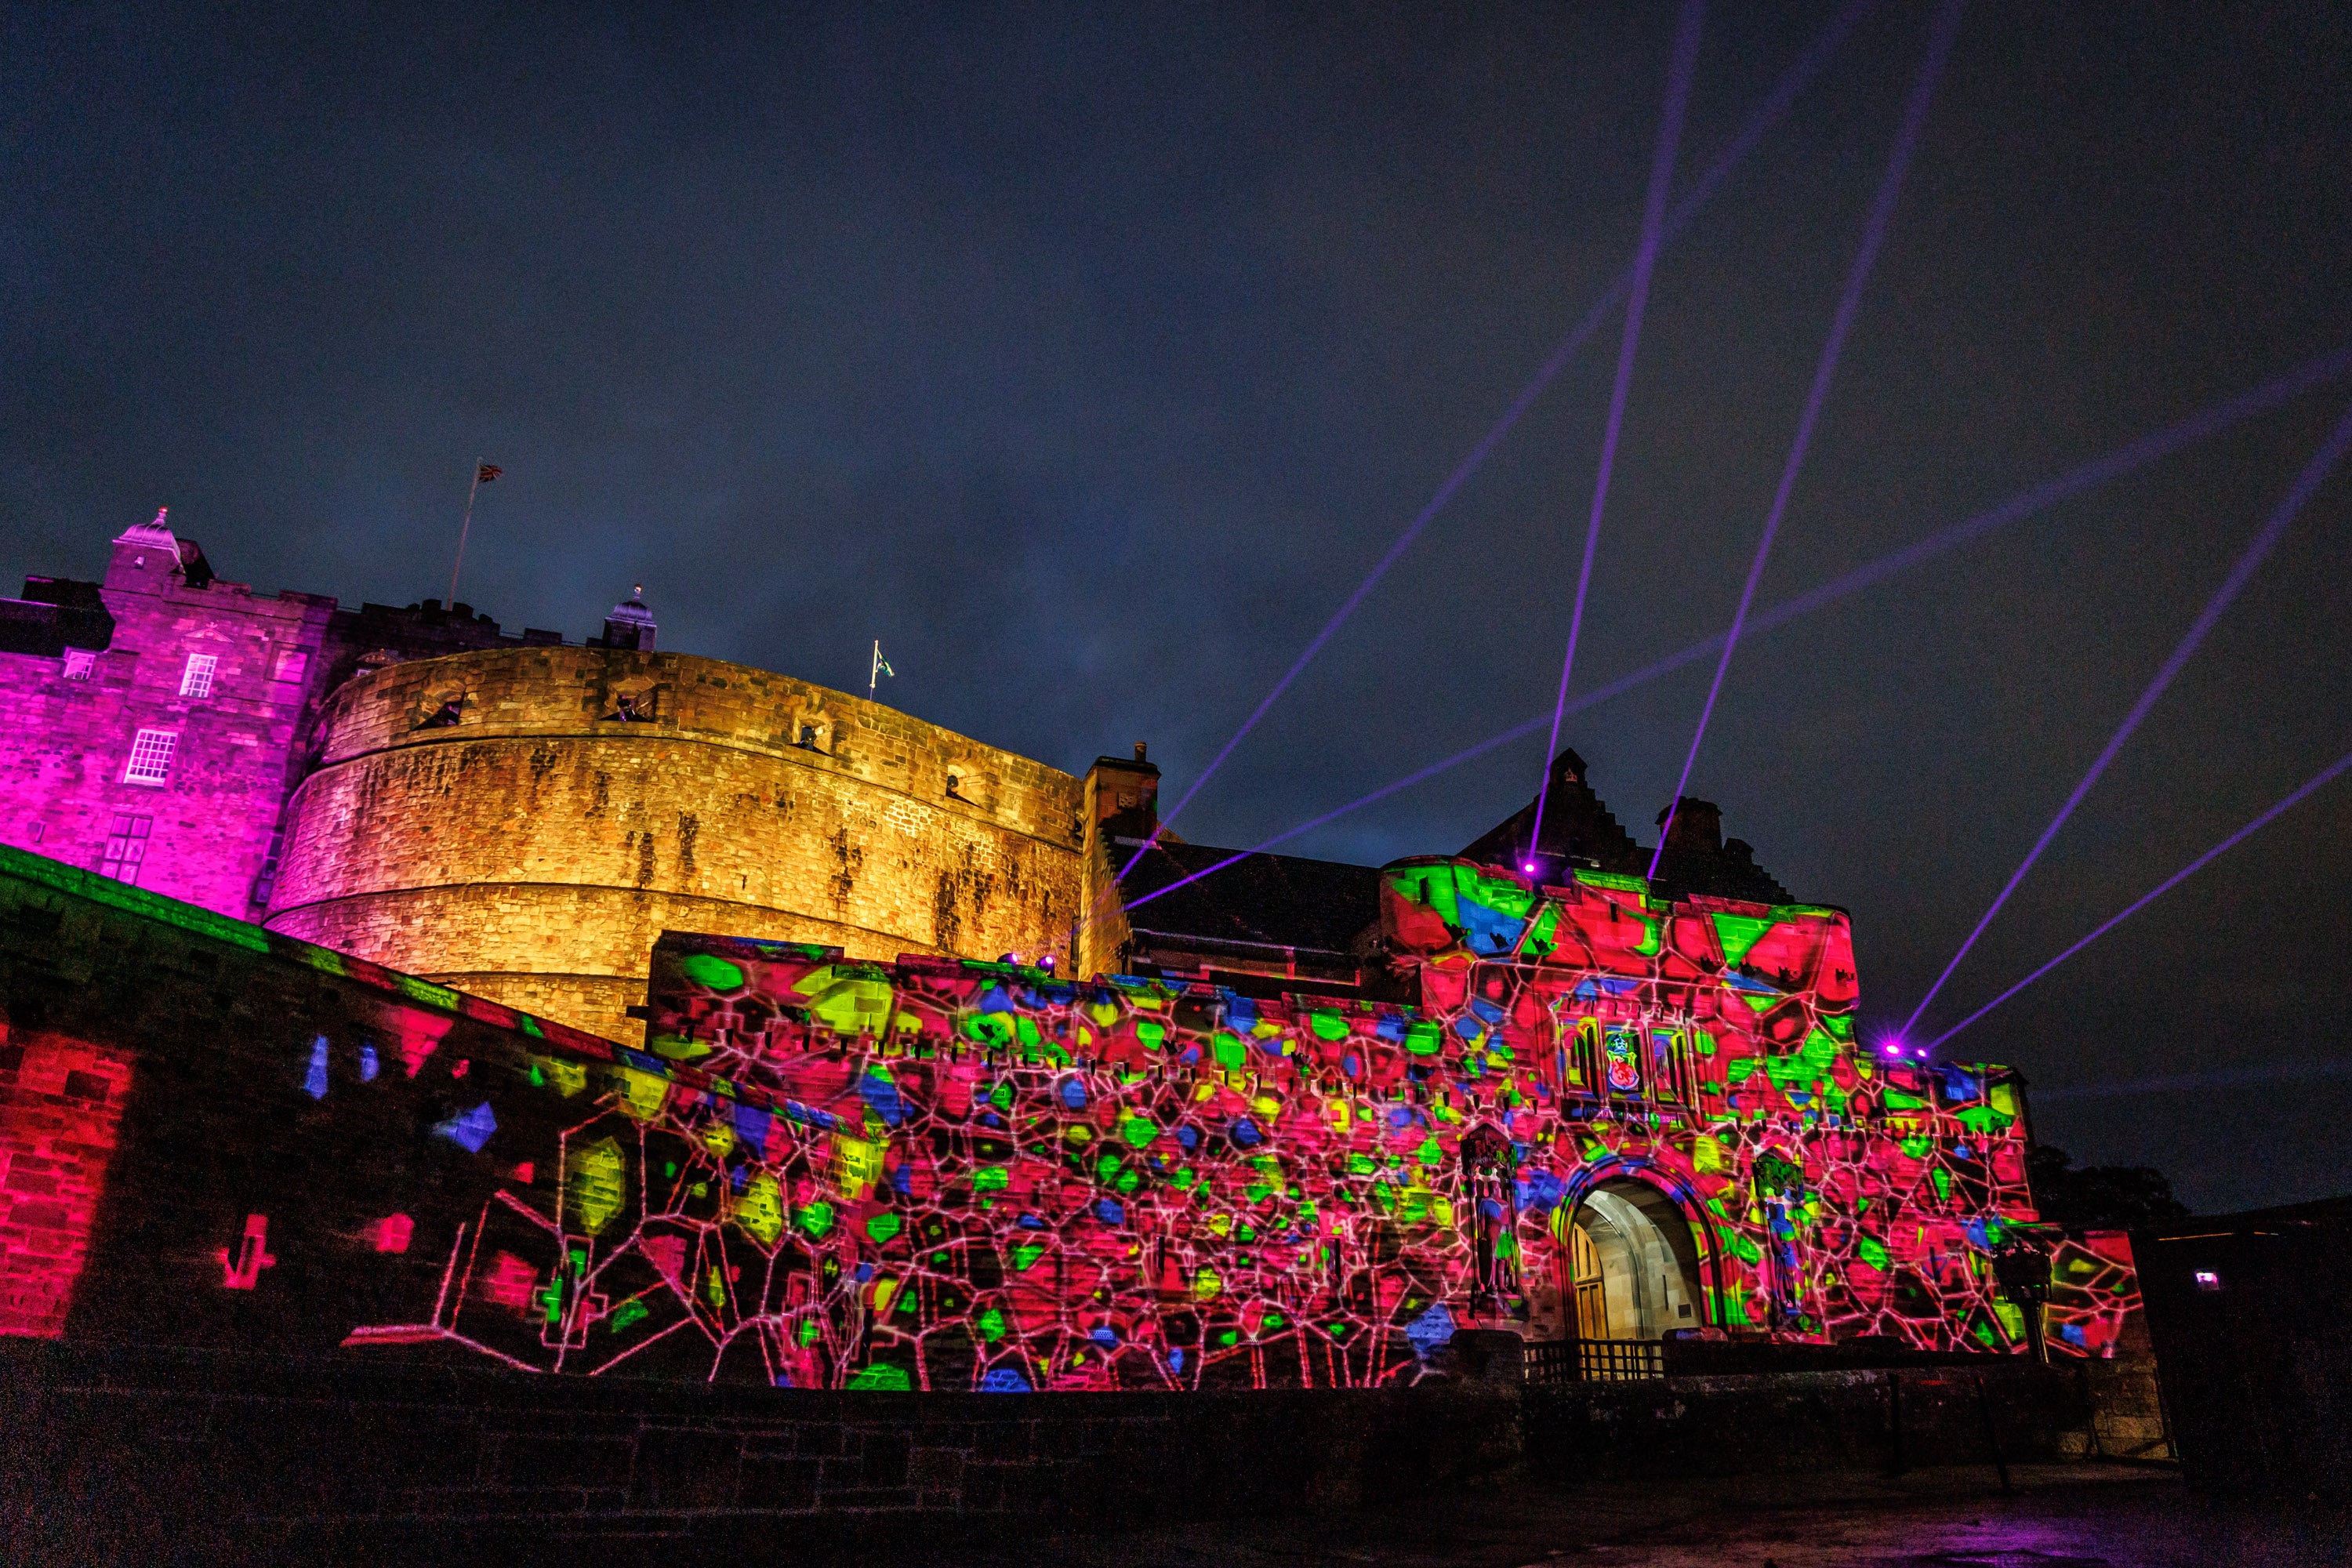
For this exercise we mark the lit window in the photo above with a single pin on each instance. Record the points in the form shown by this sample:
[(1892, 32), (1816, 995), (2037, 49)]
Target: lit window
[(2208, 1281), (290, 664), (151, 757), (79, 662), (196, 680), (126, 848)]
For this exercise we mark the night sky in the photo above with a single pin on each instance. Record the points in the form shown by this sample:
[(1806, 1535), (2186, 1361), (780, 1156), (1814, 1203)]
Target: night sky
[(1089, 361)]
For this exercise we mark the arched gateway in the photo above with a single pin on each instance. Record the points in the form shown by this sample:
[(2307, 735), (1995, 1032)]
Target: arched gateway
[(1632, 1264), (1627, 1268)]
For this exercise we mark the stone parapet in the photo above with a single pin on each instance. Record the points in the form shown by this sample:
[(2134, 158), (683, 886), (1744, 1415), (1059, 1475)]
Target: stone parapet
[(525, 822)]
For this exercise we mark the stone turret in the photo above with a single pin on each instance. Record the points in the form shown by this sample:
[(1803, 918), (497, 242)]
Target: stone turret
[(630, 626)]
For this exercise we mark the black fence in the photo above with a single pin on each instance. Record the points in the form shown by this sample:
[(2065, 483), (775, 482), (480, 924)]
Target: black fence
[(1594, 1360)]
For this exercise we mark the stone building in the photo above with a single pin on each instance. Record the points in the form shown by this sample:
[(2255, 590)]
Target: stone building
[(1268, 925), (1261, 1119), (1604, 1121), (512, 813), (524, 824), (161, 716)]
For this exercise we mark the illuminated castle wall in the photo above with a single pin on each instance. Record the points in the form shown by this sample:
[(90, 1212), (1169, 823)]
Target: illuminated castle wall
[(986, 1177), (1342, 1112), (953, 1173), (207, 681), (508, 813), (523, 824)]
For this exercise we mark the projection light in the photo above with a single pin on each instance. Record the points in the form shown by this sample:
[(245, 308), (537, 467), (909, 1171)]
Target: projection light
[(1799, 76), (2077, 480)]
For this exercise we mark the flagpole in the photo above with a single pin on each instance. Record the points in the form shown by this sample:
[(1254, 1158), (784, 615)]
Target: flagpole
[(472, 490), (874, 671)]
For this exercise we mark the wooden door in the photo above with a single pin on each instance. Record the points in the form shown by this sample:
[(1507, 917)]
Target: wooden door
[(1584, 1273)]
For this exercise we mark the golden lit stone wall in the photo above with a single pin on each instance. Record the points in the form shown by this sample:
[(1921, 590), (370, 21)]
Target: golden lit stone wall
[(492, 821)]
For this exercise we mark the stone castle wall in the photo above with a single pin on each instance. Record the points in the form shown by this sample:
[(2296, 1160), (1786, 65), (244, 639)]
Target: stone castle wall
[(491, 820), (203, 831)]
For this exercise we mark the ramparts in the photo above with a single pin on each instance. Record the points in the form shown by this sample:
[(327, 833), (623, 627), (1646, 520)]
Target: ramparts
[(524, 822)]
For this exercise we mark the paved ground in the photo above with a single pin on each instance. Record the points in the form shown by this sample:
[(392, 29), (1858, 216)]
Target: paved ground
[(2074, 1516)]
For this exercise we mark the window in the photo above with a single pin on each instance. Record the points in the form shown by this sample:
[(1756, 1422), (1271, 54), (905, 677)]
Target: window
[(1577, 1043), (79, 662), (196, 680), (263, 884), (126, 848), (151, 757), (290, 664)]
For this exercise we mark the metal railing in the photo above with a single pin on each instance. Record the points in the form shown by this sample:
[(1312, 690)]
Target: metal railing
[(1594, 1360), (1619, 1361), (1549, 1360)]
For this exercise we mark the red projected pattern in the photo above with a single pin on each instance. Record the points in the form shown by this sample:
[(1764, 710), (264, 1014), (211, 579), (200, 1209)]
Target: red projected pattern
[(60, 1112), (946, 1175)]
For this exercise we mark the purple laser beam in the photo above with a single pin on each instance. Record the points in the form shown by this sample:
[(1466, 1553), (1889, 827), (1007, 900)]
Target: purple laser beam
[(2309, 480), (1679, 72), (2084, 477), (1800, 74), (2326, 776), (1874, 236)]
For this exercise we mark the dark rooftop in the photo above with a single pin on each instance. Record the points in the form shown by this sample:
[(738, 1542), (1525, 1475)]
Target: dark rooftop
[(1269, 901)]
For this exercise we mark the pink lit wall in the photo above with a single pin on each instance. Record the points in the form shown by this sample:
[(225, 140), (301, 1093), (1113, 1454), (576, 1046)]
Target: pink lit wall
[(201, 831)]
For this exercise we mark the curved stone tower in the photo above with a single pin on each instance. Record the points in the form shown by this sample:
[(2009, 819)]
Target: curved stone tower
[(523, 824)]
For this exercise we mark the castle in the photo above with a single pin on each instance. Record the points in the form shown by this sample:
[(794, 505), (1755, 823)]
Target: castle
[(748, 1029), (521, 818), (514, 815)]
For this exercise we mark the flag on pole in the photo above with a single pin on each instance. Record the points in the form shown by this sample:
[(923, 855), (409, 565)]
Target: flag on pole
[(487, 472), (880, 668), (883, 665)]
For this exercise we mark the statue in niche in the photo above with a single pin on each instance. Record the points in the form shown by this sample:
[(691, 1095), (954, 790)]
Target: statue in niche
[(633, 707), (968, 780), (809, 724), (441, 711)]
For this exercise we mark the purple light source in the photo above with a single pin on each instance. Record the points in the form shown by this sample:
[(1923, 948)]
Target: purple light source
[(1653, 216), (2084, 476), (2324, 777), (2313, 473), (1529, 867), (1793, 82), (1873, 235)]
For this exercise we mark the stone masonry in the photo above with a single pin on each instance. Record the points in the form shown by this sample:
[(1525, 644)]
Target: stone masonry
[(215, 676), (523, 824)]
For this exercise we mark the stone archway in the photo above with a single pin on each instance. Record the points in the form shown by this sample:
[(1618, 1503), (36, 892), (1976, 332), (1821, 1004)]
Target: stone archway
[(1631, 1264)]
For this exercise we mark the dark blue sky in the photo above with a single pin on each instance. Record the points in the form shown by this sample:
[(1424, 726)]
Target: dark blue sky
[(1089, 361)]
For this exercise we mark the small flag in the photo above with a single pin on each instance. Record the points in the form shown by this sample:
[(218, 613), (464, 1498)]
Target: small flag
[(487, 472), (883, 665)]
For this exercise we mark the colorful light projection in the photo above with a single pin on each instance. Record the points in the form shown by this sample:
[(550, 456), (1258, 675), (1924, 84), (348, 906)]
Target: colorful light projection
[(946, 1175), (61, 1117)]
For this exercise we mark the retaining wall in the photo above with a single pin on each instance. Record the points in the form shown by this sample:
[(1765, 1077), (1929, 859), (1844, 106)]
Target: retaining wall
[(145, 1455)]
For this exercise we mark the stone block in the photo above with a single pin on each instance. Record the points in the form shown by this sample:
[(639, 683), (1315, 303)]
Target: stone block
[(546, 1461), (686, 1469)]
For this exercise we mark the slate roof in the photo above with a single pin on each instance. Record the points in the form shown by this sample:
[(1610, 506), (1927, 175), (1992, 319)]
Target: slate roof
[(1268, 901), (1579, 829)]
